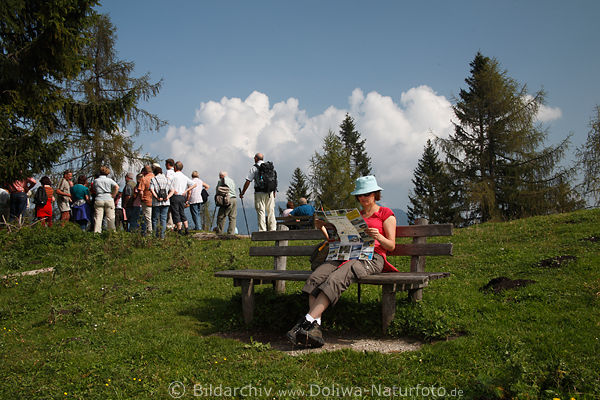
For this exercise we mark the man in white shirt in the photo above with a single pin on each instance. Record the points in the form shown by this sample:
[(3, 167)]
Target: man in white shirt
[(169, 172), (104, 205), (182, 185), (264, 202)]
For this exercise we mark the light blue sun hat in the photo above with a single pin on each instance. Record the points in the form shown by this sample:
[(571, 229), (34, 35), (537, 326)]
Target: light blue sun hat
[(366, 184)]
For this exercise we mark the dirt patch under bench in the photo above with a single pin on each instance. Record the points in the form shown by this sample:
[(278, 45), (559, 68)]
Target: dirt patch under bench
[(333, 342)]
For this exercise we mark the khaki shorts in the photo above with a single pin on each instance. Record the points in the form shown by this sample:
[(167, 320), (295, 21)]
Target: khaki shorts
[(333, 277)]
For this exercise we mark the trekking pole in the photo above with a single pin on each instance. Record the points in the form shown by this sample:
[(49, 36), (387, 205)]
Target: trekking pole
[(244, 209), (212, 219)]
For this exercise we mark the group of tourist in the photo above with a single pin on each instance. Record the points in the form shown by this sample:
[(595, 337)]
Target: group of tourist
[(151, 201)]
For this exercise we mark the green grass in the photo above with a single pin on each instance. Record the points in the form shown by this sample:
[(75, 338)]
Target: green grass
[(123, 316)]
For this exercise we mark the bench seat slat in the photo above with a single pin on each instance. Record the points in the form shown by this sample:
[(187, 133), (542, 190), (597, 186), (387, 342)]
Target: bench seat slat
[(405, 278), (264, 274)]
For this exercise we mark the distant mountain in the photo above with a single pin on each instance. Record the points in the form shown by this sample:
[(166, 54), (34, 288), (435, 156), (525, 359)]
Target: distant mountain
[(401, 217)]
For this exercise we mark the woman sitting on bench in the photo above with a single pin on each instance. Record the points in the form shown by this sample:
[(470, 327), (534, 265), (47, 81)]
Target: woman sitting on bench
[(329, 280)]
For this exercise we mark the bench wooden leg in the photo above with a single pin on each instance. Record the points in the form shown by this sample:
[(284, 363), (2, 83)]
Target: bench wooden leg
[(247, 300), (415, 295), (280, 265), (388, 306)]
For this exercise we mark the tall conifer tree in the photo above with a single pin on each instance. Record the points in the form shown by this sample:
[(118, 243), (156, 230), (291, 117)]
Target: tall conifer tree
[(433, 196), (298, 188), (589, 157), (331, 175), (107, 103), (496, 150), (360, 162), (41, 46)]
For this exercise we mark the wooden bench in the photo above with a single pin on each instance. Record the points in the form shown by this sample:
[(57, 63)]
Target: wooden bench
[(391, 282)]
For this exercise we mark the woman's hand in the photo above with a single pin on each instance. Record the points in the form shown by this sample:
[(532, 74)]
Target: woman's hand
[(373, 232)]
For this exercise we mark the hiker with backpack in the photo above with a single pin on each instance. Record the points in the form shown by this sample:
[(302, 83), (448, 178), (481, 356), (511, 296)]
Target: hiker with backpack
[(162, 191), (225, 200), (43, 199), (265, 185), (197, 201)]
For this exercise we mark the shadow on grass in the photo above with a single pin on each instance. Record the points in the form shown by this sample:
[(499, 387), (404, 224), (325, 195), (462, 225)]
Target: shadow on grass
[(347, 325), (277, 313)]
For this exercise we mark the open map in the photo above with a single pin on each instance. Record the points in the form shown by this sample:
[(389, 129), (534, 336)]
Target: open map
[(348, 239)]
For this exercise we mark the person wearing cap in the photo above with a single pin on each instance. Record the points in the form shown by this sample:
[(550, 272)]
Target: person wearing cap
[(329, 280)]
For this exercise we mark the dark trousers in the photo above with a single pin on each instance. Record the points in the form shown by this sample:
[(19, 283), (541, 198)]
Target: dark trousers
[(133, 216), (18, 204), (178, 209)]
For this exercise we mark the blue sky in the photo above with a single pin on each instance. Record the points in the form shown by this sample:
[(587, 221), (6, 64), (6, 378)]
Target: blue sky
[(274, 76)]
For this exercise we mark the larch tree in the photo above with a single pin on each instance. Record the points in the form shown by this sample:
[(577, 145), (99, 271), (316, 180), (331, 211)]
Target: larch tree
[(496, 152), (589, 157), (107, 104)]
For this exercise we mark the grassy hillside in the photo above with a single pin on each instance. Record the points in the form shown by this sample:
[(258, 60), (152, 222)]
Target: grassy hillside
[(123, 317)]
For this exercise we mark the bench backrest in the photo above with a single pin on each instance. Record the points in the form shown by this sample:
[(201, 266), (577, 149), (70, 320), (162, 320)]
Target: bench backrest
[(419, 247), (300, 222)]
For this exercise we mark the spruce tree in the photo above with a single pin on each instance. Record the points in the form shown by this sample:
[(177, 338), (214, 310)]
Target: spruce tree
[(496, 151), (433, 196), (107, 99), (298, 188), (41, 46), (589, 157), (360, 162), (331, 175)]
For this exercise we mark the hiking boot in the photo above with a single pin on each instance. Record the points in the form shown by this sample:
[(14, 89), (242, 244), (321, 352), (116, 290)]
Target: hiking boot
[(292, 334), (311, 337)]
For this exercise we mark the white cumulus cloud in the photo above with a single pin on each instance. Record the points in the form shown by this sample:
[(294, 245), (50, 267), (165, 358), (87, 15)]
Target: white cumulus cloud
[(226, 134)]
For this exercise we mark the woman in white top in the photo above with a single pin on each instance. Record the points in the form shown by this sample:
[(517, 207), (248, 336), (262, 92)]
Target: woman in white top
[(104, 205), (196, 202)]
